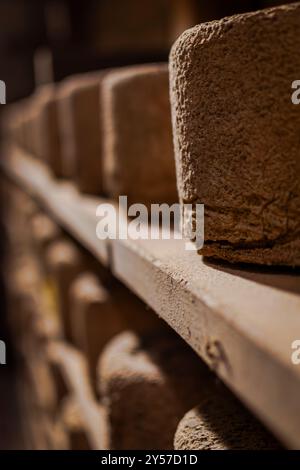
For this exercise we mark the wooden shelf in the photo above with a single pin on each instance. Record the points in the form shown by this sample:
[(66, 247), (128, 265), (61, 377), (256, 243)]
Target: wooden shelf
[(241, 321)]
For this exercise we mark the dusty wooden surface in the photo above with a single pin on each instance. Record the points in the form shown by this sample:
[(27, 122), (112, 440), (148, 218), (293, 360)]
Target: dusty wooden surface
[(241, 321)]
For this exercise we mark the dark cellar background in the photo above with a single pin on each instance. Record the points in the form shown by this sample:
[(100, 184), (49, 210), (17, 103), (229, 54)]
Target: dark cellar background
[(72, 32)]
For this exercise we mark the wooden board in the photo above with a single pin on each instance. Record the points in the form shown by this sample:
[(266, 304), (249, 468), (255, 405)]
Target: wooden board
[(241, 321)]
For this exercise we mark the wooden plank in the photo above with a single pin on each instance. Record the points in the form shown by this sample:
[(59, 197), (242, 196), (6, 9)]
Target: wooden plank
[(241, 321), (61, 200)]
